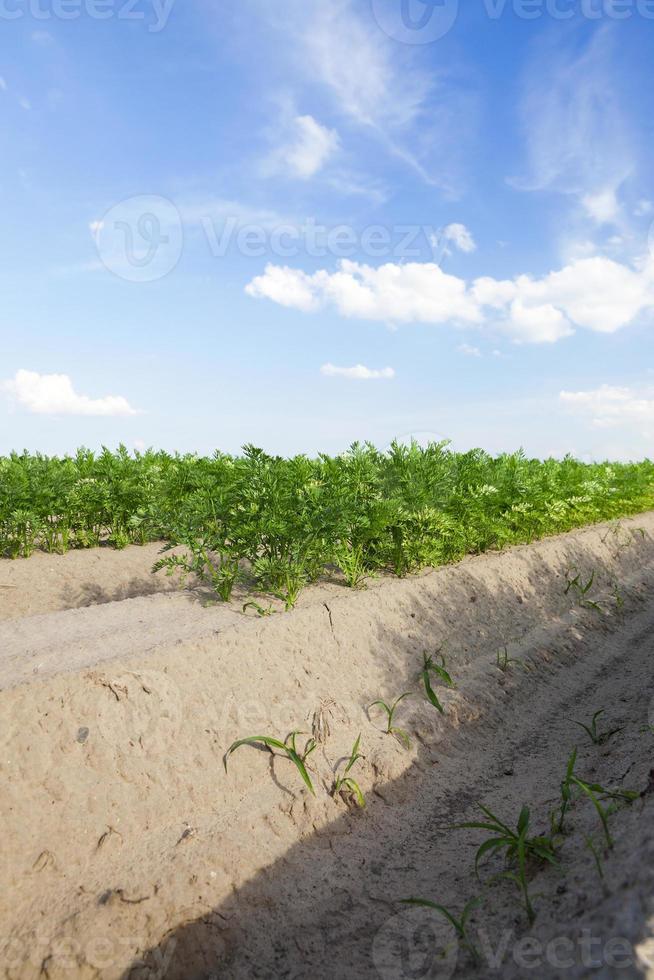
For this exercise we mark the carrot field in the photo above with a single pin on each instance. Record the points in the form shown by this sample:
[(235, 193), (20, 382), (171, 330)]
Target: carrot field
[(285, 522)]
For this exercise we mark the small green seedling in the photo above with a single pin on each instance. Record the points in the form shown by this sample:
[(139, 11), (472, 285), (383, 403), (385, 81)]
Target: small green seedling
[(289, 748), (518, 848), (597, 794), (345, 784), (597, 737), (581, 589), (460, 924), (260, 610), (429, 667), (390, 713), (558, 823), (503, 661), (592, 847), (618, 598), (646, 730)]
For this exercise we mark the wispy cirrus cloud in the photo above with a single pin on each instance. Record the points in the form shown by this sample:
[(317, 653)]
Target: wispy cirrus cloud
[(577, 129), (612, 405), (337, 55), (54, 394), (357, 373)]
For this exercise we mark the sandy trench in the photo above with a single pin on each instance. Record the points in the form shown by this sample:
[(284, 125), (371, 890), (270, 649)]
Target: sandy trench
[(127, 851)]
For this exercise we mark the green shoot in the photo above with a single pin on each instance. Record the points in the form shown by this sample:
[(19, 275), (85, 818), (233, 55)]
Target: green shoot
[(558, 824), (429, 667), (260, 610), (345, 784), (518, 847), (581, 589), (592, 847), (289, 748), (460, 924), (597, 737), (597, 794), (503, 661), (390, 713)]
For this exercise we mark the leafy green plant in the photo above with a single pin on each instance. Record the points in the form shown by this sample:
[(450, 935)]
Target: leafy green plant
[(391, 729), (351, 562), (287, 748), (518, 848), (597, 737), (284, 522), (430, 667), (344, 784), (459, 923), (220, 573)]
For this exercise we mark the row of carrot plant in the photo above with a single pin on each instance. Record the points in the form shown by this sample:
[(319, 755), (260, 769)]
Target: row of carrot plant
[(284, 522)]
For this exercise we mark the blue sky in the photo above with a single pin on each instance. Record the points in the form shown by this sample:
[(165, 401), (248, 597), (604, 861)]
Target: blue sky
[(304, 223)]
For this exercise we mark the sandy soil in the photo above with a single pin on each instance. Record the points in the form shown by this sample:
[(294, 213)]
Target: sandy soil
[(129, 852)]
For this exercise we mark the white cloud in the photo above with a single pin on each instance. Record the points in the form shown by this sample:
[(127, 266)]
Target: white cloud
[(25, 104), (310, 148), (414, 292), (611, 405), (288, 287), (602, 206), (579, 138), (357, 373), (460, 237), (359, 66), (53, 394), (597, 294), (469, 350), (643, 208), (416, 116), (3, 84)]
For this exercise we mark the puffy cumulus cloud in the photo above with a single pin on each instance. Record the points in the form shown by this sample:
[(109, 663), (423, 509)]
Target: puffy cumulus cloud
[(286, 286), (596, 293), (602, 206), (53, 394), (460, 237), (612, 405), (357, 373), (415, 292)]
